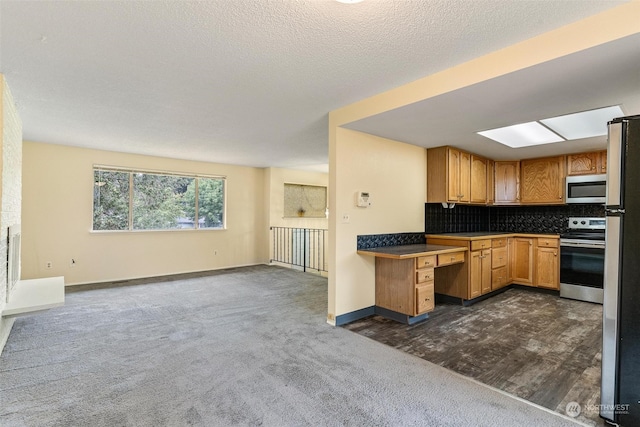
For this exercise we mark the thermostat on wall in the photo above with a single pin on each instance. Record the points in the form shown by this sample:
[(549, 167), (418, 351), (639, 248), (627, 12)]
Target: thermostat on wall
[(363, 199)]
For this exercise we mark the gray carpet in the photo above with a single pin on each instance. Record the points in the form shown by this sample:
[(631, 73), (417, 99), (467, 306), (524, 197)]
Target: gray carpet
[(246, 346)]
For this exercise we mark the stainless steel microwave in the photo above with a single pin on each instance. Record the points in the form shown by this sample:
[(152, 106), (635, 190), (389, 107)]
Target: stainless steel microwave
[(586, 189)]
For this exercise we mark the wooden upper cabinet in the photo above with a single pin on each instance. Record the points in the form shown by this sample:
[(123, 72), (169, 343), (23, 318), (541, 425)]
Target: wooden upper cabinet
[(587, 163), (542, 180), (490, 181), (478, 179), (465, 177), (507, 183), (582, 164), (452, 175), (448, 175), (602, 165)]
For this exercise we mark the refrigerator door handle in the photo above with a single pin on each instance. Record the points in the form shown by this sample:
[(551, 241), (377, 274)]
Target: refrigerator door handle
[(614, 211)]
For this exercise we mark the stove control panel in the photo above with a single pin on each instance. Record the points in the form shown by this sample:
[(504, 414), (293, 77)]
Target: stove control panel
[(587, 223)]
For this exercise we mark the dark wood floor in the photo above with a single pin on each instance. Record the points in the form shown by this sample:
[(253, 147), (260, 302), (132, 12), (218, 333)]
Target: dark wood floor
[(533, 345)]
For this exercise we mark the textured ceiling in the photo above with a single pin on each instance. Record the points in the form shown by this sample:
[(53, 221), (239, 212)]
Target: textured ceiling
[(241, 82)]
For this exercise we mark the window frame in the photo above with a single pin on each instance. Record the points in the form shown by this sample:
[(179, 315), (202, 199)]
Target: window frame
[(132, 171)]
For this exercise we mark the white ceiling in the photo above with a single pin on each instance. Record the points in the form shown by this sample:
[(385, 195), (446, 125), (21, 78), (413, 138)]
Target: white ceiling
[(251, 82)]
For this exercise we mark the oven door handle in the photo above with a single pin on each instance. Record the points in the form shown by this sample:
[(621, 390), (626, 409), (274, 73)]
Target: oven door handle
[(582, 245)]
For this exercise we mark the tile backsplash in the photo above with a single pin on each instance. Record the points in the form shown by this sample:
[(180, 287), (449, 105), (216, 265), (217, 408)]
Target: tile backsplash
[(517, 219), (396, 239)]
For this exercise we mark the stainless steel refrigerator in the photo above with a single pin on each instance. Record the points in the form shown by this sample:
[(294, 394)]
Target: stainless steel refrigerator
[(620, 392)]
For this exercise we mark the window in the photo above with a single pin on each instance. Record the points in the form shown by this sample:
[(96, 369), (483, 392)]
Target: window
[(143, 200)]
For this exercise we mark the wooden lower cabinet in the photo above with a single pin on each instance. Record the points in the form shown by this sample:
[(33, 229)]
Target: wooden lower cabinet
[(547, 274), (403, 286), (499, 264), (495, 263), (522, 261)]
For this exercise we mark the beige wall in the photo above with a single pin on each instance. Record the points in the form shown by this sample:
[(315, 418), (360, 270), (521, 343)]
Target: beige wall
[(57, 220), (394, 174), (277, 177)]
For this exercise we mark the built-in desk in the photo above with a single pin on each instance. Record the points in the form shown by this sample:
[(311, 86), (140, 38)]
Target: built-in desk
[(405, 278)]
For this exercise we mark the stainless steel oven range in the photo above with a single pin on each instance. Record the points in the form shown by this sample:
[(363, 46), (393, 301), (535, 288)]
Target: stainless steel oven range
[(582, 260)]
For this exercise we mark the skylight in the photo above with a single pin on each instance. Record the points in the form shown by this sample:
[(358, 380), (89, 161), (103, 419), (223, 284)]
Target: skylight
[(522, 135), (585, 124)]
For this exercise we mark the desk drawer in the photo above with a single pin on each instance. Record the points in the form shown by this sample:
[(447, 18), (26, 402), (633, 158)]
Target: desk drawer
[(424, 275), (477, 245), (426, 262), (425, 298), (450, 258)]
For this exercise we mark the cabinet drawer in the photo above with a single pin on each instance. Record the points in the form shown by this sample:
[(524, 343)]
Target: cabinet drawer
[(426, 262), (424, 275), (498, 257), (477, 245), (424, 298), (498, 278), (547, 243), (499, 243), (450, 258)]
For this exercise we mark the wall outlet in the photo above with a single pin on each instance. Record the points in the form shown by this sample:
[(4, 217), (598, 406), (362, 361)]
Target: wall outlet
[(345, 218), (49, 265)]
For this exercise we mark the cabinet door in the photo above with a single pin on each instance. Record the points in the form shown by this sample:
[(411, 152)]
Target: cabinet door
[(522, 266), (547, 271), (602, 167), (478, 180), (582, 163), (511, 254), (465, 177), (542, 180), (475, 276), (490, 181), (453, 175), (507, 183), (486, 271)]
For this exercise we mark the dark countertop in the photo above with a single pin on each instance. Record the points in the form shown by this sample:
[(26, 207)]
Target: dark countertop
[(478, 235), (410, 251)]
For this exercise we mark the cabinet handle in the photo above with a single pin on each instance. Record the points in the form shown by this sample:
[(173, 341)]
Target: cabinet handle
[(555, 254)]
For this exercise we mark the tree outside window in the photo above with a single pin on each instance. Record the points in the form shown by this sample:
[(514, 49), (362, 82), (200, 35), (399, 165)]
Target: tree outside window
[(156, 201)]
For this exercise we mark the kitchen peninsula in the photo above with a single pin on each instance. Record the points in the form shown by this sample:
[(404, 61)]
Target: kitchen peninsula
[(463, 266)]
